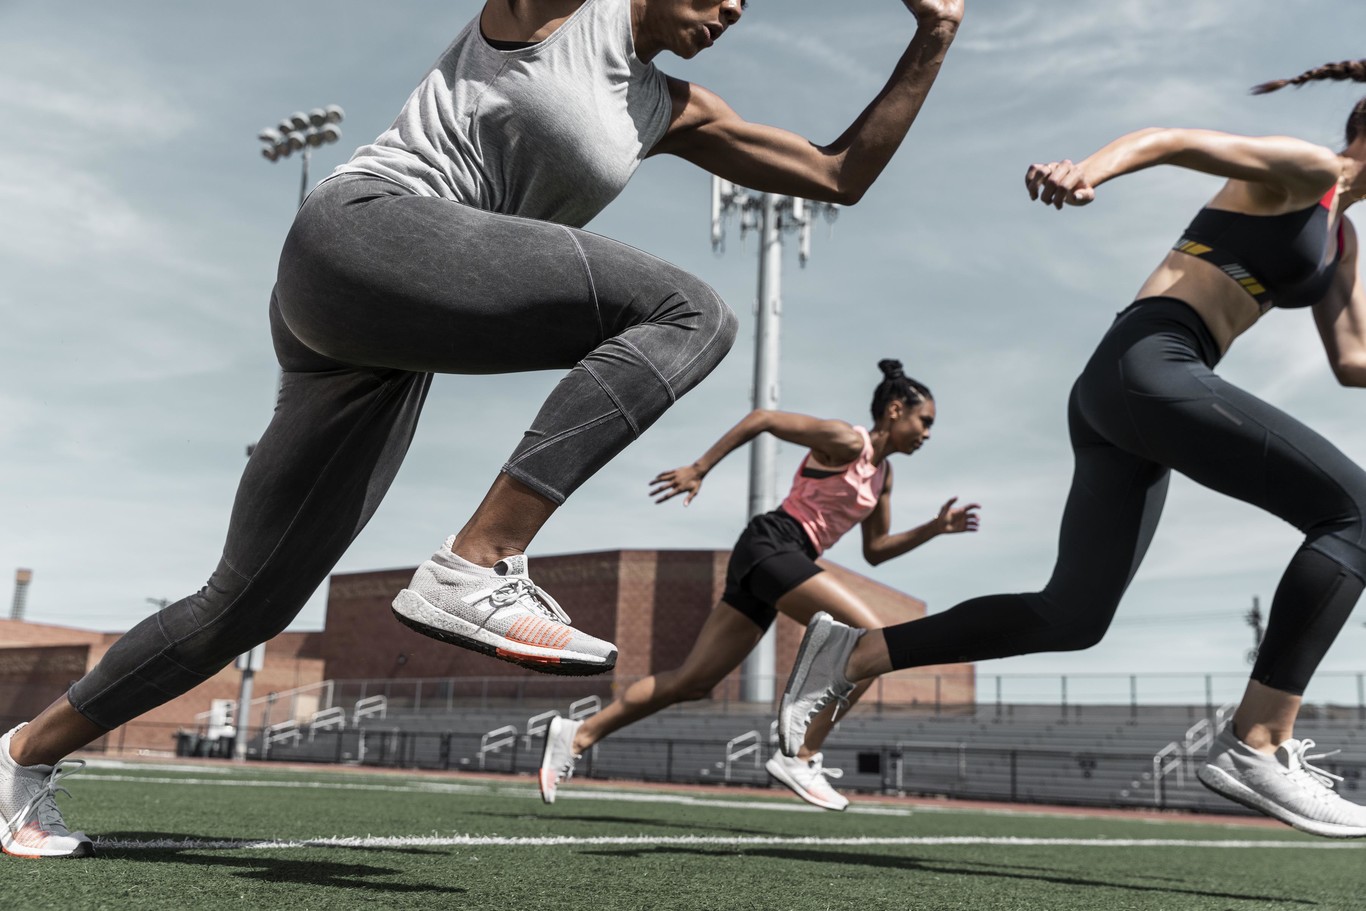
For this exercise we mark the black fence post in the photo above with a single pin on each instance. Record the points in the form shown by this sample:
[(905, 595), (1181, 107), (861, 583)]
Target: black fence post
[(1014, 757), (669, 761)]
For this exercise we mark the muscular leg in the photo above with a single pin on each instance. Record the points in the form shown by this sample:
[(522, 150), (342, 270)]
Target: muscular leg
[(723, 642), (319, 471), (822, 592), (1108, 522), (451, 289), (378, 289), (1149, 392), (1260, 455)]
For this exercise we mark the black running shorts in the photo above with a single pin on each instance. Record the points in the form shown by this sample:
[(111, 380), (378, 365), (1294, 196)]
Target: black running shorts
[(772, 557)]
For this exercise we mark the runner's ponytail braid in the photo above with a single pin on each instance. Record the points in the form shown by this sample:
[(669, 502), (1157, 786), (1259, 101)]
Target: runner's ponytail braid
[(1342, 71)]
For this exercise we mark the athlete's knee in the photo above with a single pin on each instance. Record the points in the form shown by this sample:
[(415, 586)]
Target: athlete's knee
[(727, 327), (711, 333), (1069, 623), (689, 686), (1078, 637), (226, 618), (1344, 544)]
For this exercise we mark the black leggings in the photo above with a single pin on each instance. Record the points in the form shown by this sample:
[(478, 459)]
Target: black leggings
[(1148, 403), (377, 290)]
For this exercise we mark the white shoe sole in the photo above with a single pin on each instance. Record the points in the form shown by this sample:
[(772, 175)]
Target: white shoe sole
[(801, 668), (778, 772), (416, 612), (1225, 785), (546, 777), (7, 846)]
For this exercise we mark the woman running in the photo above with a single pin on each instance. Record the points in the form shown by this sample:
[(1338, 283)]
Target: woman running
[(452, 245), (1147, 403), (845, 479)]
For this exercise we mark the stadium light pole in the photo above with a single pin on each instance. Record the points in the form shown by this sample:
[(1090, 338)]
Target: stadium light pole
[(772, 215), (300, 132)]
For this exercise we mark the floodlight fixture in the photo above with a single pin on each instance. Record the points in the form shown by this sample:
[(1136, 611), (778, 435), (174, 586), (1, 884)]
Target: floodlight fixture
[(300, 132)]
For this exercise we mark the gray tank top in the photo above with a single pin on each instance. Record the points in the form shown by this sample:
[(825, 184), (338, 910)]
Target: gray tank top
[(552, 131)]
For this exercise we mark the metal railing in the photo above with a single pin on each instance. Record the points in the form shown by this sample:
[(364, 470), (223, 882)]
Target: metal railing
[(297, 704), (370, 707), (326, 720), (1343, 692), (495, 740), (748, 744)]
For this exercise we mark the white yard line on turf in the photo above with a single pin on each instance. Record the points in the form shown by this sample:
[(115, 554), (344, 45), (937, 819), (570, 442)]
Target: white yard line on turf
[(441, 787), (495, 841)]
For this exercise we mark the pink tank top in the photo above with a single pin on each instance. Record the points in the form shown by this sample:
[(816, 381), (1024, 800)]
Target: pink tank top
[(829, 502)]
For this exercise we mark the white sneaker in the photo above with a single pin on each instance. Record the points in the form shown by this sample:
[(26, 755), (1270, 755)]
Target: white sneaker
[(1283, 785), (557, 762), (498, 612), (817, 677), (809, 781), (32, 824)]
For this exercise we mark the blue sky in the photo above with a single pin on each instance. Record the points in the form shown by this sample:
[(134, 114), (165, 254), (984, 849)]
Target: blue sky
[(141, 229)]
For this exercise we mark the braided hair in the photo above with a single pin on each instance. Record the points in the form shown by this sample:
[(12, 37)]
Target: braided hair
[(1345, 70), (896, 386)]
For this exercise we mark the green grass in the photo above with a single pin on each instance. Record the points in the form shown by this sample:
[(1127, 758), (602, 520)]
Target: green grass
[(686, 857)]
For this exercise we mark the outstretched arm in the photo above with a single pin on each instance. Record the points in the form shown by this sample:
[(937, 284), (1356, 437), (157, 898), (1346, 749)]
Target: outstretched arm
[(1281, 166), (707, 132), (833, 442), (1341, 316), (879, 545)]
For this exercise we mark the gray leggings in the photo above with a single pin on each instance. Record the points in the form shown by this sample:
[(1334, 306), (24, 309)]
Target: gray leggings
[(377, 290)]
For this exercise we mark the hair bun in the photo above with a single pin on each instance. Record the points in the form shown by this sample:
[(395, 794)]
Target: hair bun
[(891, 368)]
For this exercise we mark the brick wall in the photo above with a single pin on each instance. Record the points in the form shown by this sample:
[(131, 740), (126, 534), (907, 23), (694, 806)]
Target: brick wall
[(650, 603), (34, 673)]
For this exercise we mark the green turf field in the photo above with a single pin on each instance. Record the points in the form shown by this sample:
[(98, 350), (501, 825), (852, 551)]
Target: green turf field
[(208, 837)]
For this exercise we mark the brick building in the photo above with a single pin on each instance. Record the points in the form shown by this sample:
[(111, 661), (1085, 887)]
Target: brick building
[(651, 603), (38, 661)]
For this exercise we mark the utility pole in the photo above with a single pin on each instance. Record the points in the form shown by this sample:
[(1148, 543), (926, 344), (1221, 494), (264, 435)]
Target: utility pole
[(1253, 618), (772, 216)]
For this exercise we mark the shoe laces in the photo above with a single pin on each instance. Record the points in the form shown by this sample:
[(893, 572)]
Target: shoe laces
[(1303, 772), (520, 589), (566, 769), (836, 692), (43, 803), (818, 766)]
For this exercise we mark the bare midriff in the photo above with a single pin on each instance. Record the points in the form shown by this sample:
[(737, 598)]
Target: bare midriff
[(1228, 310)]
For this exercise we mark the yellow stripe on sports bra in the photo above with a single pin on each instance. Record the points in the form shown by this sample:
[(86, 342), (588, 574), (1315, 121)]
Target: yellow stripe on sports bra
[(1230, 267)]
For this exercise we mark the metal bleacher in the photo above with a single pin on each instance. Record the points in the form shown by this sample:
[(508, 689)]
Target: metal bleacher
[(1137, 756)]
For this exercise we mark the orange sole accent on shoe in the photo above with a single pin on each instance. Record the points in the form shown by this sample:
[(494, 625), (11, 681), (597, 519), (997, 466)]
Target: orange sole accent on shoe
[(525, 659)]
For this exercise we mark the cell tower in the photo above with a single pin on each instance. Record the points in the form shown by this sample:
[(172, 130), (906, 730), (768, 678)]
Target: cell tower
[(772, 216)]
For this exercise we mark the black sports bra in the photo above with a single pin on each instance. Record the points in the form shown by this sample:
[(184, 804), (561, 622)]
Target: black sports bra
[(1278, 259)]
